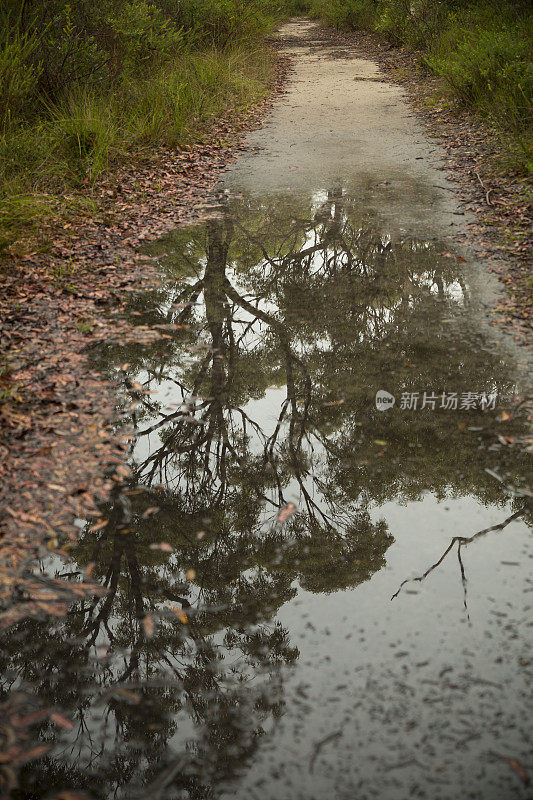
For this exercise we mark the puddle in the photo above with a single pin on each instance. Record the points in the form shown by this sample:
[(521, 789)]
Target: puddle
[(237, 654)]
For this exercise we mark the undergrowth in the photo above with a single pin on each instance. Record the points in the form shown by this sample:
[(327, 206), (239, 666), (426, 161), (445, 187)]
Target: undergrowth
[(85, 84)]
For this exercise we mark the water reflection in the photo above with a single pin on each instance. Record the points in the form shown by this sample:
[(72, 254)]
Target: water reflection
[(279, 323)]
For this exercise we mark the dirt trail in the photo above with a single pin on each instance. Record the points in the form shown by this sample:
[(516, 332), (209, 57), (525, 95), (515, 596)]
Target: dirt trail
[(268, 494), (342, 123)]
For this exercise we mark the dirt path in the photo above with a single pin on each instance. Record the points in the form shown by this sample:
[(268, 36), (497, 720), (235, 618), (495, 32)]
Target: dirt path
[(342, 123), (338, 266)]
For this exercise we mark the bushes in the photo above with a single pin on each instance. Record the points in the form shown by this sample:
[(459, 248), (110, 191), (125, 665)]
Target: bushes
[(294, 7), (413, 23), (217, 23), (486, 59), (84, 82), (346, 13)]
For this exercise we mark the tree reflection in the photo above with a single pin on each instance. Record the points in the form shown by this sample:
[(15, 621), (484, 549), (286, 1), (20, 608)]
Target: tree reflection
[(326, 305), (462, 541), (280, 322)]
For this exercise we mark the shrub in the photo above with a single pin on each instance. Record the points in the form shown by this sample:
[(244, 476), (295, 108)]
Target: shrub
[(486, 59), (347, 13), (217, 23), (136, 32)]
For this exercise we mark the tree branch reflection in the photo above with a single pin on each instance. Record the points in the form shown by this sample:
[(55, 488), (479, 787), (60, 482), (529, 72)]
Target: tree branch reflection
[(460, 541)]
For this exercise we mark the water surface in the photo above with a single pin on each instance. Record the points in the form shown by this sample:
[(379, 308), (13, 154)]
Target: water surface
[(243, 652)]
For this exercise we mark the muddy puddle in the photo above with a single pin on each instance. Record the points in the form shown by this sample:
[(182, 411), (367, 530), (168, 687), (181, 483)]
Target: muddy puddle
[(257, 639)]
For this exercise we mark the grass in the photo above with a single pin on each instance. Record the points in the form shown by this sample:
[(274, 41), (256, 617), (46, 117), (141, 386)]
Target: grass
[(82, 88), (84, 135)]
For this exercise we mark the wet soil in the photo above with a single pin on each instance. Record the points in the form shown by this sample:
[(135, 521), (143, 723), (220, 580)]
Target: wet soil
[(60, 451), (314, 576)]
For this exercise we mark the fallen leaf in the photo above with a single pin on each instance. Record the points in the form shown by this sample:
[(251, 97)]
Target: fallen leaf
[(30, 755), (98, 526), (148, 625), (89, 569), (150, 511), (123, 471), (180, 613), (61, 721), (518, 767), (286, 512), (28, 719)]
